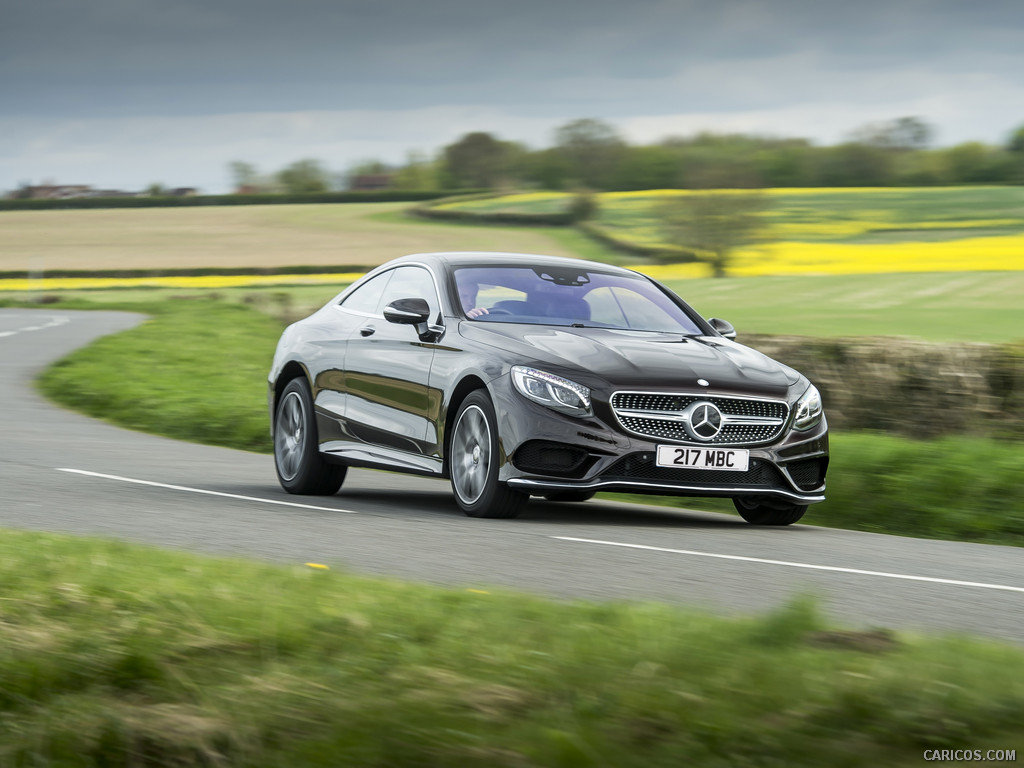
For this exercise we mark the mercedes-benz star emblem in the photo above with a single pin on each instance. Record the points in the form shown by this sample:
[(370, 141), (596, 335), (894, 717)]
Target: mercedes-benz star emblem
[(704, 420)]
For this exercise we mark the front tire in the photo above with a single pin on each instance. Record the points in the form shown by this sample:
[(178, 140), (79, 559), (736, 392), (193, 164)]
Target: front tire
[(473, 462), (300, 467), (757, 511)]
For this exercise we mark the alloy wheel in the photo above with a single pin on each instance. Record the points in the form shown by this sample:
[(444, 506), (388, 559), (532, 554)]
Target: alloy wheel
[(471, 460)]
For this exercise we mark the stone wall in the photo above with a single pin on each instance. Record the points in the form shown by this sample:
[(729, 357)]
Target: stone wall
[(911, 388)]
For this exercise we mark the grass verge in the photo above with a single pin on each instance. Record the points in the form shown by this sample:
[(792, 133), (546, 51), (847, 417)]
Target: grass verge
[(196, 371), (960, 489), (115, 654)]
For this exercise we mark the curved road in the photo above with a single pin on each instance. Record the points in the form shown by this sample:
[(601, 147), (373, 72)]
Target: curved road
[(60, 471)]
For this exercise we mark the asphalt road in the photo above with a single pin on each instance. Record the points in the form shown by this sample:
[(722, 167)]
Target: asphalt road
[(60, 471)]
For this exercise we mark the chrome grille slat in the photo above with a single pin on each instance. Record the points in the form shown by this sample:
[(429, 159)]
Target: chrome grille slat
[(656, 415)]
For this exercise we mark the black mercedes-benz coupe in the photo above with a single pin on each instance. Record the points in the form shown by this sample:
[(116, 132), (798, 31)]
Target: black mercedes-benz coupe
[(515, 375)]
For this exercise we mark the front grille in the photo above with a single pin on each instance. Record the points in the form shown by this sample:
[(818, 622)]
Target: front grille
[(807, 474), (741, 415), (641, 466), (550, 458)]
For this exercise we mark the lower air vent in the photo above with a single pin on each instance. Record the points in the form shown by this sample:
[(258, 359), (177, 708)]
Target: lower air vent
[(548, 458)]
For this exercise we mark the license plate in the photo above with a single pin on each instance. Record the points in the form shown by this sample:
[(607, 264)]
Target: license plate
[(703, 458)]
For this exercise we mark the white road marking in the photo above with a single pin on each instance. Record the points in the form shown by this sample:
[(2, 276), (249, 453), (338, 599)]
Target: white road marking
[(202, 490), (788, 564), (54, 322)]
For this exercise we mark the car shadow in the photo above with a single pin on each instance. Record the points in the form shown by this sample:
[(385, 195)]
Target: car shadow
[(542, 512)]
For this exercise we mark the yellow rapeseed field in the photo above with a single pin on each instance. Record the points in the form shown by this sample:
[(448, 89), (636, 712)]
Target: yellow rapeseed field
[(198, 281), (982, 254), (806, 239)]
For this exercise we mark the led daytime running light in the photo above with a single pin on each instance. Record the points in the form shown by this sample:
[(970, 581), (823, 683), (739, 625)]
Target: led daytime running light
[(552, 391), (808, 409)]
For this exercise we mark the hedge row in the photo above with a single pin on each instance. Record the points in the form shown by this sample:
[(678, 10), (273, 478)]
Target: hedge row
[(911, 388), (662, 253), (565, 218), (495, 217), (383, 196), (429, 210)]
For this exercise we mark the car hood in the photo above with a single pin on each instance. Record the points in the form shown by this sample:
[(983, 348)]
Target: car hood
[(620, 359)]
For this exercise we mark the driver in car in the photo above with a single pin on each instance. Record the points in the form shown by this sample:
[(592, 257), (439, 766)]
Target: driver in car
[(467, 295)]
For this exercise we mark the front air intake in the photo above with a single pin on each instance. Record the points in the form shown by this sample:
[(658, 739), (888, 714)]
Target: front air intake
[(543, 457)]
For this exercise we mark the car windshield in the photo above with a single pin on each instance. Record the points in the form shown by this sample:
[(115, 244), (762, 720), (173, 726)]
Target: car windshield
[(568, 296)]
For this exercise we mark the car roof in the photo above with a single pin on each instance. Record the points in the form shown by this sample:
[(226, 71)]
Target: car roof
[(500, 258)]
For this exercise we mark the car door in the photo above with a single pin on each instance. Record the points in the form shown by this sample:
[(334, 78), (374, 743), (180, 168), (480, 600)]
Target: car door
[(387, 367), (327, 355)]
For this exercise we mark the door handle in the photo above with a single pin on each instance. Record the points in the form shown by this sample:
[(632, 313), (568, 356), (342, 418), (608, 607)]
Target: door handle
[(367, 330)]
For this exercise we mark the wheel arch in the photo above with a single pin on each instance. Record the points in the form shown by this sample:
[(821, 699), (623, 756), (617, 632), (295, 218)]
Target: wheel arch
[(467, 384), (290, 371)]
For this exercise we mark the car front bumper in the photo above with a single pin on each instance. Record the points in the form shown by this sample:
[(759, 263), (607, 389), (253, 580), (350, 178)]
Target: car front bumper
[(545, 452)]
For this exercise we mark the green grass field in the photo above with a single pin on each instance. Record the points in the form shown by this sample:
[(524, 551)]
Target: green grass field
[(949, 306), (118, 655)]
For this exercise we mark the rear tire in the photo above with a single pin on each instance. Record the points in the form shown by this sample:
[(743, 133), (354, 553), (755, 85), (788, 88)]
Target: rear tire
[(757, 511), (300, 467), (473, 462)]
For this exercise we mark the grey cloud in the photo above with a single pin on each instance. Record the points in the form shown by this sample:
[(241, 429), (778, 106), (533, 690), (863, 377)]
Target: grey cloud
[(122, 57)]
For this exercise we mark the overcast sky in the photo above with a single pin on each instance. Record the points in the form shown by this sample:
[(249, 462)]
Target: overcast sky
[(124, 93)]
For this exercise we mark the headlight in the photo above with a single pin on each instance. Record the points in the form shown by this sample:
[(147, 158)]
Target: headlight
[(808, 409), (553, 391)]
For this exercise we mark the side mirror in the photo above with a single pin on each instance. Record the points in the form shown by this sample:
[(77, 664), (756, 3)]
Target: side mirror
[(407, 311), (724, 327)]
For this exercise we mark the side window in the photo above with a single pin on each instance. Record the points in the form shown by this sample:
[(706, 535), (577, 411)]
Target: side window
[(411, 283), (366, 298)]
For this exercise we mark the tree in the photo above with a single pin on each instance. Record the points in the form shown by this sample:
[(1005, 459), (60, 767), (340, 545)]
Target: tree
[(592, 150), (243, 175), (903, 133), (1015, 147), (304, 176), (419, 173), (855, 164), (1016, 143), (973, 162), (476, 160), (725, 214)]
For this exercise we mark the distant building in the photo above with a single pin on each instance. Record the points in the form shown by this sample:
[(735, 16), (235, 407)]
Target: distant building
[(111, 193), (70, 191), (55, 191), (371, 182)]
